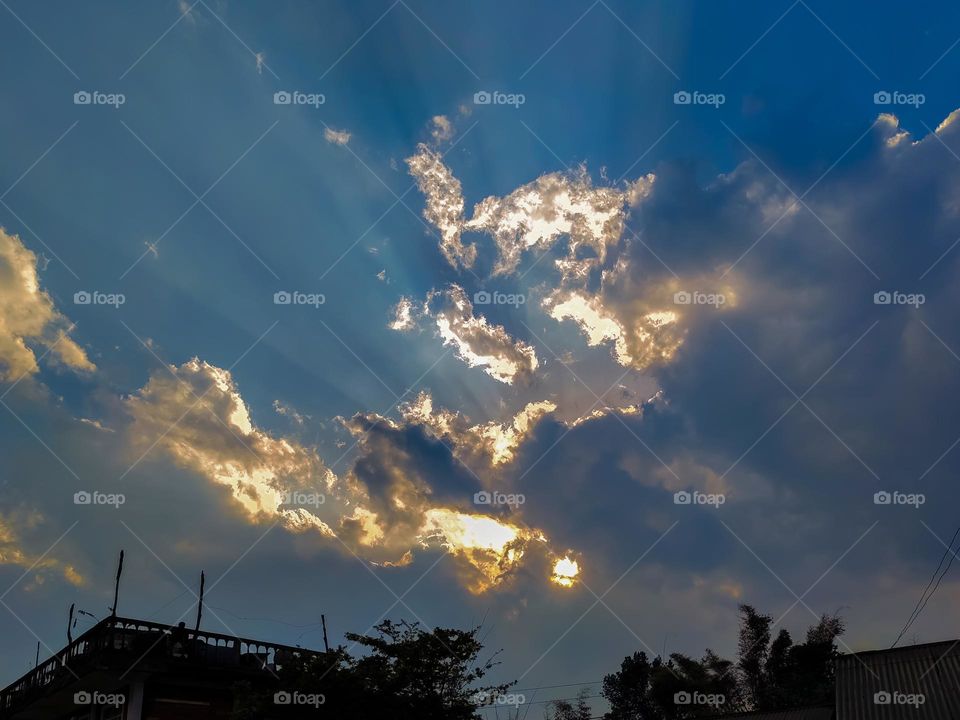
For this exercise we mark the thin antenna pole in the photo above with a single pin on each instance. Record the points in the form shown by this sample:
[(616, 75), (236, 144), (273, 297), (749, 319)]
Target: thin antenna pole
[(69, 624), (116, 589), (200, 601), (36, 663), (326, 645)]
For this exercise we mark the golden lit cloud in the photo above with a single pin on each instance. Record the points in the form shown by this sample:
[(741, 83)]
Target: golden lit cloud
[(196, 415), (480, 343), (383, 509), (28, 316), (444, 204), (565, 572), (492, 442), (402, 315), (336, 137), (14, 524)]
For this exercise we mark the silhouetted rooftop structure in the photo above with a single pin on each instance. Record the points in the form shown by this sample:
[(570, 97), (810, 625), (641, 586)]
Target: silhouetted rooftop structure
[(159, 671), (811, 713), (916, 681)]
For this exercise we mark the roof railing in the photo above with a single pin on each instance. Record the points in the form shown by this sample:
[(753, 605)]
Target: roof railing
[(117, 635)]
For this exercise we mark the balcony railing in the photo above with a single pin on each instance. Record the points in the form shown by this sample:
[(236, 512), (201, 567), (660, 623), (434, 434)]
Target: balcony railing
[(124, 644)]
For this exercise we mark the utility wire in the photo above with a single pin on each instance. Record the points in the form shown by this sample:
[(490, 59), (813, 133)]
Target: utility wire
[(270, 620), (549, 687), (542, 702), (924, 597), (166, 605)]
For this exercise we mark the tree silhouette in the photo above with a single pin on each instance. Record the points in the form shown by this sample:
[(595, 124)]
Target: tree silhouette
[(768, 675), (406, 672), (565, 710)]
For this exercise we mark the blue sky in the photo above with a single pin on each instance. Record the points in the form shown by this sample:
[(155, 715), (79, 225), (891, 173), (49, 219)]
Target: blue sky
[(787, 187)]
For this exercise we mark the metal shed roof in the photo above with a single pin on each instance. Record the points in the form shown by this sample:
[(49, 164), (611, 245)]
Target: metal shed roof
[(917, 681), (813, 713)]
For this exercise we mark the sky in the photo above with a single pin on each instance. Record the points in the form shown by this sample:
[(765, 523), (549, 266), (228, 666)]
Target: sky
[(586, 322)]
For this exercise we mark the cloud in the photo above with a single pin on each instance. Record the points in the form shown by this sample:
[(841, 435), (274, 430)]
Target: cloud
[(536, 215), (336, 137), (28, 317), (478, 342), (418, 492), (722, 422), (194, 413), (444, 204), (725, 292), (186, 10), (596, 283), (443, 129), (403, 315), (15, 524), (492, 443), (289, 411), (405, 491)]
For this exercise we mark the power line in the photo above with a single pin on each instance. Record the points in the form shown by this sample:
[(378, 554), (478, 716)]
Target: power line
[(168, 604), (924, 597), (550, 687), (543, 702), (270, 620)]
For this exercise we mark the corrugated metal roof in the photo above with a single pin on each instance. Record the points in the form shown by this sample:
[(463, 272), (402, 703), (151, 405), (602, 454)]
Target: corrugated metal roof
[(916, 682), (814, 713)]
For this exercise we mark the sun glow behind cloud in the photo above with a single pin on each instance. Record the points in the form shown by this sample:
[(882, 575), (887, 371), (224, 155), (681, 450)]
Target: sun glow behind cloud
[(565, 572), (493, 547)]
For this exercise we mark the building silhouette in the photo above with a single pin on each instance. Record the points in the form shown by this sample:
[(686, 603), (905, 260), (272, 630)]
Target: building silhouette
[(126, 669)]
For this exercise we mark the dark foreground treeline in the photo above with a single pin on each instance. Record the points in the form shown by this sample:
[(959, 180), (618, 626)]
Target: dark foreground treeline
[(406, 672)]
